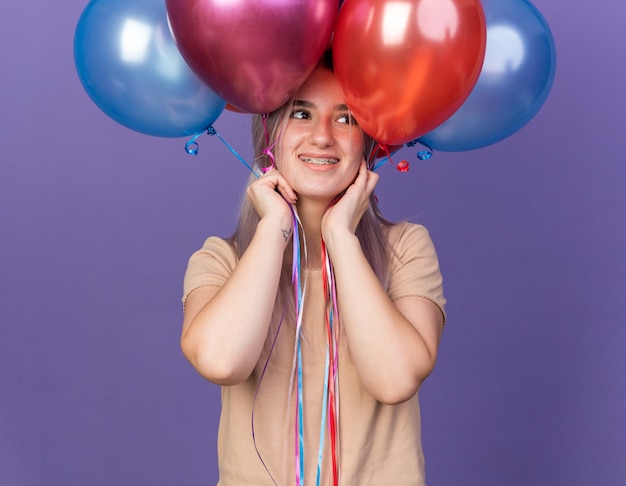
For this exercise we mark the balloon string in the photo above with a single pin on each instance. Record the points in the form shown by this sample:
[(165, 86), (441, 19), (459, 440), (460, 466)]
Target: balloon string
[(330, 403), (320, 452), (334, 378), (422, 154), (385, 159), (425, 154), (332, 382), (300, 291), (256, 393), (191, 147), (268, 150), (267, 135)]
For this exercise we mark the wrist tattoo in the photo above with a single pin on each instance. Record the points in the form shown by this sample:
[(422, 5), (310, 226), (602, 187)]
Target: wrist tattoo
[(286, 234)]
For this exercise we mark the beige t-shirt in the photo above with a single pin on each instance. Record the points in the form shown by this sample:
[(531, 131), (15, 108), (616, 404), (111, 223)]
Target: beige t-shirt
[(378, 444)]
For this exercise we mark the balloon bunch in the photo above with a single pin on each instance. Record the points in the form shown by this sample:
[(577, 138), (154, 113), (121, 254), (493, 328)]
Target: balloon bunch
[(453, 74)]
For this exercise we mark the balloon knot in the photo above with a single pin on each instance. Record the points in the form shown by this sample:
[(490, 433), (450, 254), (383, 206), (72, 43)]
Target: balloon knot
[(424, 154), (403, 166)]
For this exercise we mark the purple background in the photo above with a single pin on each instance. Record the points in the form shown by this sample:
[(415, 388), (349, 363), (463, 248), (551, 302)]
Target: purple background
[(98, 221)]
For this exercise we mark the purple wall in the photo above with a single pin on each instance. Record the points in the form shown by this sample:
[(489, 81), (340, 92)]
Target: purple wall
[(97, 223)]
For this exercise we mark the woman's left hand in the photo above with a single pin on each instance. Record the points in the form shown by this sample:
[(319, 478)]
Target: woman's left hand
[(346, 213)]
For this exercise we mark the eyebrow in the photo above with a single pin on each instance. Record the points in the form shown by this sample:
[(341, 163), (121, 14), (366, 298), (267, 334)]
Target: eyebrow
[(308, 104)]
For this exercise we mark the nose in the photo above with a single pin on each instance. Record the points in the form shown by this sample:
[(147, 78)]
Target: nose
[(322, 133)]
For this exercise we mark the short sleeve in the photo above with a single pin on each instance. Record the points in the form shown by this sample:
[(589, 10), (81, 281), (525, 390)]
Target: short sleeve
[(415, 267), (211, 265)]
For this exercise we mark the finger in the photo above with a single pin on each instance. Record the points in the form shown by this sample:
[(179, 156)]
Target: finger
[(372, 181), (273, 179), (281, 185), (271, 175), (360, 179), (286, 190)]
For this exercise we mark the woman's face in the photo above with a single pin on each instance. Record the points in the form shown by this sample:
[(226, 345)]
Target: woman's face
[(322, 146)]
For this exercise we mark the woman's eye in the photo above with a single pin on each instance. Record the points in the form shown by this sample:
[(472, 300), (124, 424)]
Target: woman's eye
[(347, 118), (300, 115)]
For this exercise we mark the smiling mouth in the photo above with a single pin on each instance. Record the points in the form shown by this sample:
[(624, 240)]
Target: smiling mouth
[(318, 161)]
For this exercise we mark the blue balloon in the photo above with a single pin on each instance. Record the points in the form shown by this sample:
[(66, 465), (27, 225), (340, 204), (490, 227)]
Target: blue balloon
[(514, 82), (129, 65)]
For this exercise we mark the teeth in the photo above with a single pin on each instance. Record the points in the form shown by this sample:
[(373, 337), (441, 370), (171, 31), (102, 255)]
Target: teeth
[(316, 161)]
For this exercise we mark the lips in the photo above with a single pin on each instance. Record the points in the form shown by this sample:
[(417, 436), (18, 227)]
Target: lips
[(319, 160)]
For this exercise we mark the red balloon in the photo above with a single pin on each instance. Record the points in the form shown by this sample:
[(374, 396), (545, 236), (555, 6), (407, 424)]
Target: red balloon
[(406, 66), (253, 53)]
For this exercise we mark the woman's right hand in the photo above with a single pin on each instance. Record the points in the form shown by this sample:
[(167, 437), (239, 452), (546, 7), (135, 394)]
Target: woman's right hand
[(271, 195)]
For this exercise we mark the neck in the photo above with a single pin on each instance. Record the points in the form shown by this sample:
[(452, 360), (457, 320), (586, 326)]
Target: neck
[(311, 214)]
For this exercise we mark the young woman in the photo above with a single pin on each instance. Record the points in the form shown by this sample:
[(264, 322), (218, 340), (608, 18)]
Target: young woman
[(302, 404)]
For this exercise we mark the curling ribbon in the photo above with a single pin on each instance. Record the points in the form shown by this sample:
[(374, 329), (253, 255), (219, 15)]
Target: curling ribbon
[(256, 393), (332, 382), (422, 154), (300, 292), (268, 151), (191, 147), (403, 165)]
